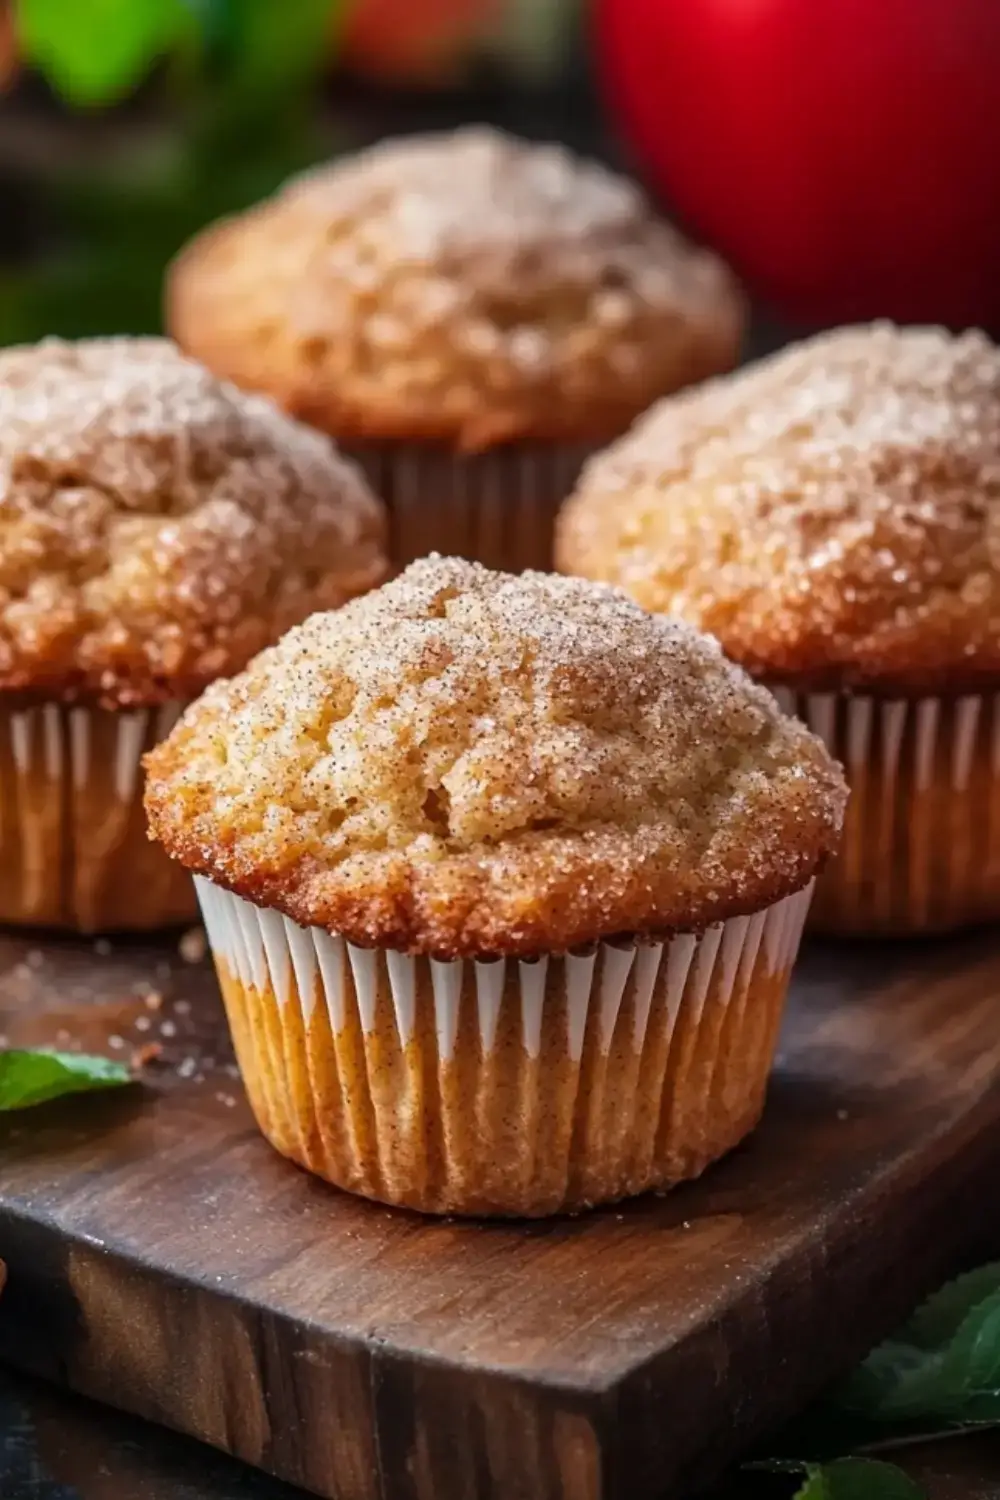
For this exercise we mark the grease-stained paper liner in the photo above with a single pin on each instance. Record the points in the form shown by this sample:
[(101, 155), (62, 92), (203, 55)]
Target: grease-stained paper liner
[(921, 846), (504, 1086), (73, 847), (497, 507)]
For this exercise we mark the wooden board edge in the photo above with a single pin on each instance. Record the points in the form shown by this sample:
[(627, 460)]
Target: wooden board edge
[(406, 1427), (822, 1338)]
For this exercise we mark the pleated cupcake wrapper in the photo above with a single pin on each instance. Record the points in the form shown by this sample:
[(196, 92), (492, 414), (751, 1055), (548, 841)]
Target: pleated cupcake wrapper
[(503, 1086), (498, 507), (921, 847), (73, 846)]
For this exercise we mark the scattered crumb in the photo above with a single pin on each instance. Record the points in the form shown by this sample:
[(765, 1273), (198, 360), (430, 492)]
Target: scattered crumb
[(186, 1068), (153, 1000), (168, 1029), (115, 1043), (226, 1099), (183, 1007), (146, 1054), (102, 948), (193, 946), (842, 1114), (686, 1224), (142, 1023)]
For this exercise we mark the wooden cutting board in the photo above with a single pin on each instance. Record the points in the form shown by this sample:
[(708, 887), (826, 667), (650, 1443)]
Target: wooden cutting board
[(163, 1259)]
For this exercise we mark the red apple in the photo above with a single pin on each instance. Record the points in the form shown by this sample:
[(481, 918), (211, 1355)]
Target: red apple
[(844, 154), (9, 60), (412, 40)]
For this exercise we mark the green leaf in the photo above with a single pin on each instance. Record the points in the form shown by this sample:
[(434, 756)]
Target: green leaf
[(34, 1077), (858, 1479), (873, 1382), (949, 1383), (943, 1367), (96, 51), (939, 1318)]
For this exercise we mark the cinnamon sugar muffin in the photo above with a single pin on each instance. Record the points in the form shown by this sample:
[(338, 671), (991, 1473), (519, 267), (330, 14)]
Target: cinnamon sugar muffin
[(832, 515), (504, 879), (157, 528), (468, 312)]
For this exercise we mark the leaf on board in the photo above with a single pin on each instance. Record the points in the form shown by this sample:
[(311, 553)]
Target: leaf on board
[(29, 1077)]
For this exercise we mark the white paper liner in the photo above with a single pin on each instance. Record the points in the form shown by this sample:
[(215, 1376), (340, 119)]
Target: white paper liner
[(921, 847), (497, 508), (657, 1055), (71, 818)]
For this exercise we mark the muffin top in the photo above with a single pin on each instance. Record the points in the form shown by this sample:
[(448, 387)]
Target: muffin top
[(831, 514), (158, 527), (469, 288), (466, 762)]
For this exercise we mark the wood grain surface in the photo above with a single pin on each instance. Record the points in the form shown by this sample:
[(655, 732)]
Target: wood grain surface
[(57, 1446), (163, 1259)]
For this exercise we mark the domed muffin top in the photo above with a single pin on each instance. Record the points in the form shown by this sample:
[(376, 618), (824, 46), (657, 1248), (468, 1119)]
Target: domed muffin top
[(467, 287), (466, 762), (832, 514), (158, 527)]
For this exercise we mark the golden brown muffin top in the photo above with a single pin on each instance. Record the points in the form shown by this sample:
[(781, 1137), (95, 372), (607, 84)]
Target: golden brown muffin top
[(158, 527), (832, 514), (467, 287), (466, 762)]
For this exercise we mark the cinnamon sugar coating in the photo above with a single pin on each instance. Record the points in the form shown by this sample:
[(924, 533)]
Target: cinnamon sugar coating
[(158, 527), (467, 762), (467, 287), (831, 514)]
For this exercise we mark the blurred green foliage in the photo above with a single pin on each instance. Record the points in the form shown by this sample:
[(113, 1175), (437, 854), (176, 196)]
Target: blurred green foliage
[(229, 109), (95, 52)]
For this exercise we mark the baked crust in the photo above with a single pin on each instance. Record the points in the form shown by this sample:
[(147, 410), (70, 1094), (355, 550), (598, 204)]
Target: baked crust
[(465, 288), (831, 514), (159, 527), (469, 763)]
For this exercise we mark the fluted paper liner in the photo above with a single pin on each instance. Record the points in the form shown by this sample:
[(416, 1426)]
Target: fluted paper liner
[(504, 1086), (497, 508), (921, 846), (73, 847)]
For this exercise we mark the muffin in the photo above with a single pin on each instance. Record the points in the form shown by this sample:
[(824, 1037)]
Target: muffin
[(504, 879), (469, 314), (157, 528), (832, 515)]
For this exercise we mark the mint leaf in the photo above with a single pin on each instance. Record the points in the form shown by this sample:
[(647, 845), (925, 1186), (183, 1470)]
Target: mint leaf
[(96, 51), (34, 1077), (858, 1479), (943, 1367), (873, 1383), (966, 1368), (940, 1317)]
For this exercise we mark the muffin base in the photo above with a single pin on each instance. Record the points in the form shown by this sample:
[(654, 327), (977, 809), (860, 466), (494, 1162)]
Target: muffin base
[(74, 852), (497, 508), (921, 846), (503, 1088)]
